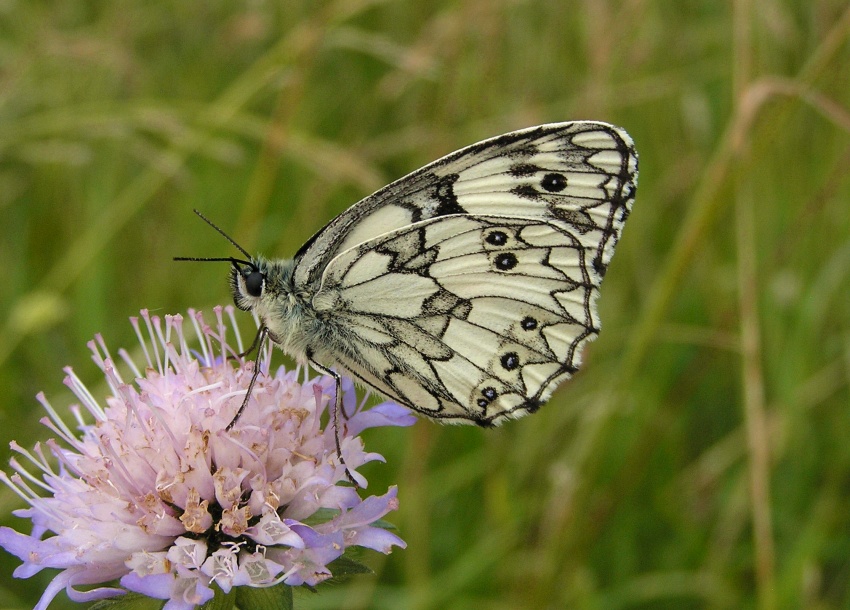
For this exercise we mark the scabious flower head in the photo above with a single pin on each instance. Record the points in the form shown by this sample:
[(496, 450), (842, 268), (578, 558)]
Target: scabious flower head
[(158, 494)]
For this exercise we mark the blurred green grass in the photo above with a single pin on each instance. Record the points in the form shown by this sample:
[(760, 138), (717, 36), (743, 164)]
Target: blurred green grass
[(702, 457)]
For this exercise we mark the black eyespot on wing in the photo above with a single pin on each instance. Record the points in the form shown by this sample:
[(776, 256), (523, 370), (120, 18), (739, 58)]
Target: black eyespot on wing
[(554, 183), (489, 394), (510, 361), (528, 323), (497, 238), (505, 261)]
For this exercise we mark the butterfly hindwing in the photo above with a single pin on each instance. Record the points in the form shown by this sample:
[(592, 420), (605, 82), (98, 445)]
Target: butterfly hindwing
[(579, 175), (464, 318)]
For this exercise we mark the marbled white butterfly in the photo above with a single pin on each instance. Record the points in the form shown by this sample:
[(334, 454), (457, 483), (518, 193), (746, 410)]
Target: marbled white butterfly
[(465, 290)]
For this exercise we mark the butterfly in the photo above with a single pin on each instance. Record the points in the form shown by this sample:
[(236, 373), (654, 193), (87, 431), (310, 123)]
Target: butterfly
[(465, 290)]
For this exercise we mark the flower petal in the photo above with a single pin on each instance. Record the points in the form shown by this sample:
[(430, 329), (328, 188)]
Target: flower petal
[(162, 493)]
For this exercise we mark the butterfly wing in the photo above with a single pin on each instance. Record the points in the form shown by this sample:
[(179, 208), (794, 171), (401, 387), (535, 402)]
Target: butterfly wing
[(579, 175), (465, 318)]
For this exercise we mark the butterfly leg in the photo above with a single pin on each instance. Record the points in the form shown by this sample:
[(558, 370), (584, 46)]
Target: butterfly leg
[(259, 343), (337, 410), (261, 335)]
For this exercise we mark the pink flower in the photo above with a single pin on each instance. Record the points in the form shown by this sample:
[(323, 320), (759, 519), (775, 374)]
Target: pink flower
[(156, 493)]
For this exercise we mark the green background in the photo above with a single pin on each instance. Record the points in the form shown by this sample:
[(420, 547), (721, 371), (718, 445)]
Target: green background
[(702, 457)]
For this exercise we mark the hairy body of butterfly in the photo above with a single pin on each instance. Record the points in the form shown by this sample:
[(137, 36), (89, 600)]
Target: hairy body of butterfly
[(467, 289)]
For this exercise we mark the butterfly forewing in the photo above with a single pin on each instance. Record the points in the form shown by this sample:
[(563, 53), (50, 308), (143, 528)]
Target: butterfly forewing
[(580, 175)]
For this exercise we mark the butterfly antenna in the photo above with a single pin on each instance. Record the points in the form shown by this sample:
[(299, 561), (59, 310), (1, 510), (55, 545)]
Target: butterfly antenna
[(223, 234)]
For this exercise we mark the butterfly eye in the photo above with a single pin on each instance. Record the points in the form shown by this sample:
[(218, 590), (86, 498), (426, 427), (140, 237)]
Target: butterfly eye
[(254, 281)]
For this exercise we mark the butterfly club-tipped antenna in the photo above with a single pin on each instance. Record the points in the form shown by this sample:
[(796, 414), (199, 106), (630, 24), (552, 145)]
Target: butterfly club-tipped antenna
[(253, 280), (220, 259)]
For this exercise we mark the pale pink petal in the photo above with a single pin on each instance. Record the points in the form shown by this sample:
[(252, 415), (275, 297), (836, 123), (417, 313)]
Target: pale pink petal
[(157, 493)]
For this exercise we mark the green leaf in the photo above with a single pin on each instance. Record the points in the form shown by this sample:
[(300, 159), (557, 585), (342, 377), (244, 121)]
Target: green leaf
[(264, 598), (344, 567), (323, 515), (130, 601), (221, 601), (383, 524)]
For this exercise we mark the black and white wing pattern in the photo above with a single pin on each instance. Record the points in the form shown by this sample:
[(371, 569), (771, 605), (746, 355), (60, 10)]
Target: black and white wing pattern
[(581, 175), (467, 289)]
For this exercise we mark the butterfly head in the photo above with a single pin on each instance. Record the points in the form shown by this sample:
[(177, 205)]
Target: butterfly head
[(247, 282), (263, 287)]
